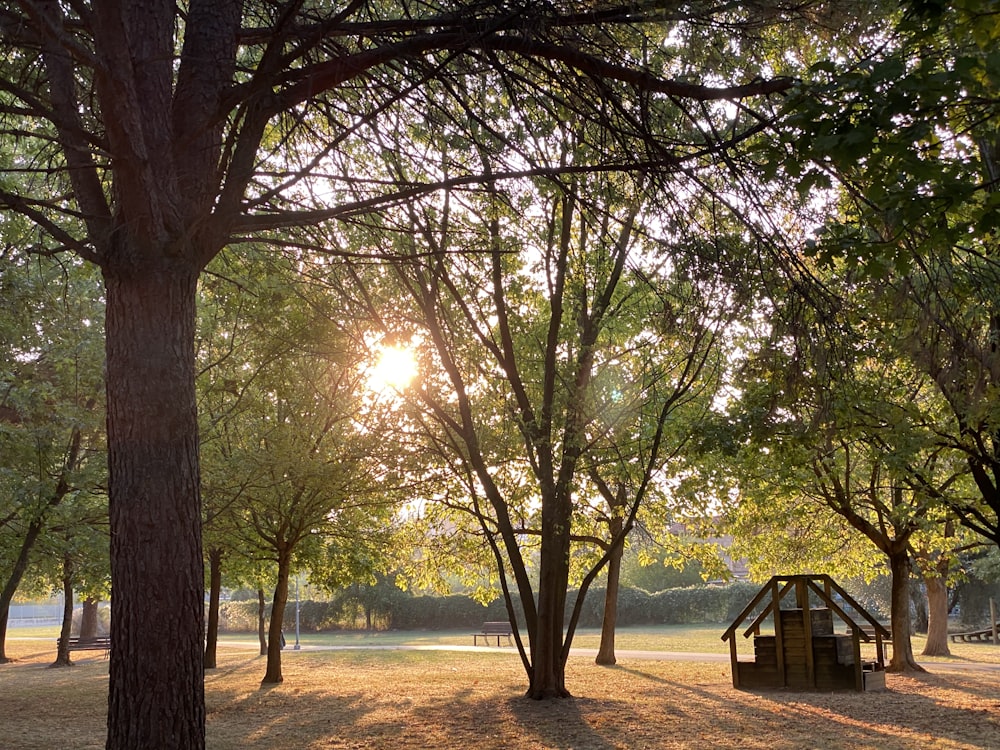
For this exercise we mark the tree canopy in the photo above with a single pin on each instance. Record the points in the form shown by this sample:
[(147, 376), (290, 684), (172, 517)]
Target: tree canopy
[(145, 137)]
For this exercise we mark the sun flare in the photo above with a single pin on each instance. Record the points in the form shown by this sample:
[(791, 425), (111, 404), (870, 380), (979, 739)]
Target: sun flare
[(395, 369)]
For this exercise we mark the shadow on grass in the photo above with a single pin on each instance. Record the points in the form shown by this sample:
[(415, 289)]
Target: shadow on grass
[(562, 722), (887, 720), (410, 701)]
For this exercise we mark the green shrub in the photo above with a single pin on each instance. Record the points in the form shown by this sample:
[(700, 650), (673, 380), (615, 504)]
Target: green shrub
[(700, 604), (689, 605), (238, 617)]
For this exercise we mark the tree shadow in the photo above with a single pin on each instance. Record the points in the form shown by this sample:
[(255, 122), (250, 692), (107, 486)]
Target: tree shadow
[(563, 722), (888, 720)]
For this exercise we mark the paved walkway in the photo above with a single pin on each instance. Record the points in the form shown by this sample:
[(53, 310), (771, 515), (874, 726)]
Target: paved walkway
[(621, 654), (589, 652)]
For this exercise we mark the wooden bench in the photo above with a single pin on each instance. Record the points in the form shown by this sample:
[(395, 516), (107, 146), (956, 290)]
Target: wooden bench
[(975, 635), (496, 630), (97, 643)]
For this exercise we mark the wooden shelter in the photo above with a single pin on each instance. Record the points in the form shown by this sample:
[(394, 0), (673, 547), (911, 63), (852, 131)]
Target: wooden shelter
[(805, 653)]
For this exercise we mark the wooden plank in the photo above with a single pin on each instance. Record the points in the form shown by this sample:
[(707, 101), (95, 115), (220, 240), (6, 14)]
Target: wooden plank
[(735, 662)]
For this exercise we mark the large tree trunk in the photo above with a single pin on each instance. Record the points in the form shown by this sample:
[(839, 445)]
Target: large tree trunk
[(214, 592), (937, 616), (606, 652), (274, 635), (66, 630), (902, 648), (156, 691), (548, 664)]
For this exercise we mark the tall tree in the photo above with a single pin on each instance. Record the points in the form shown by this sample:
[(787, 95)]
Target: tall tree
[(284, 449), (846, 427), (557, 351), (77, 539)]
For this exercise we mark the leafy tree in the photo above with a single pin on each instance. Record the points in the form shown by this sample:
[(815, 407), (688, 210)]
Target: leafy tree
[(652, 569), (50, 385), (286, 466), (77, 539), (910, 136), (849, 428), (938, 557), (376, 598), (559, 349)]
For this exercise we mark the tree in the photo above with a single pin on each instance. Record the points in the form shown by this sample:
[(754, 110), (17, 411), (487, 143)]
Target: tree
[(170, 130), (310, 485), (559, 349), (50, 385), (910, 136), (938, 558), (847, 427), (376, 598), (286, 450), (77, 538)]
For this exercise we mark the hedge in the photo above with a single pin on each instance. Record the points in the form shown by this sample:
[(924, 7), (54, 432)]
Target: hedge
[(690, 605)]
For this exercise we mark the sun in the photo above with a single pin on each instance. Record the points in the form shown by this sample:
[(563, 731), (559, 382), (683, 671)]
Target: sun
[(395, 369)]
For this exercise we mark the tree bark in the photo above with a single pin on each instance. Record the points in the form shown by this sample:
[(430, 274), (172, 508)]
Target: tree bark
[(261, 621), (902, 648), (548, 673), (88, 618), (937, 616), (606, 651), (66, 630), (156, 690), (214, 592), (274, 636)]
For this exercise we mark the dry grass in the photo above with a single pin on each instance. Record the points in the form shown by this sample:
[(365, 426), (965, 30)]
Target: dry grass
[(440, 699)]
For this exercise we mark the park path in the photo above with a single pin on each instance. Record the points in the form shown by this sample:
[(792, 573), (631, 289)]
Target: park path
[(622, 655), (591, 652)]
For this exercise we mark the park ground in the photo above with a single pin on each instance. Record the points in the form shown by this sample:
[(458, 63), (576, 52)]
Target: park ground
[(410, 690)]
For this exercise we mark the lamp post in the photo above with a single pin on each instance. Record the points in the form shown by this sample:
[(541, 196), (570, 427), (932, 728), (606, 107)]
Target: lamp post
[(296, 647)]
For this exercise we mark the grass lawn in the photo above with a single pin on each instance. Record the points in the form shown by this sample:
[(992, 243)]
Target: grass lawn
[(403, 699), (697, 638)]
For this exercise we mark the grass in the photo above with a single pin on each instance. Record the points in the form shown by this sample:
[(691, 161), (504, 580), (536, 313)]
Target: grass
[(705, 639), (690, 638), (402, 699)]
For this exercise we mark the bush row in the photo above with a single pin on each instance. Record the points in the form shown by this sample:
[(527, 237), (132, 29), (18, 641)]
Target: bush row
[(694, 604)]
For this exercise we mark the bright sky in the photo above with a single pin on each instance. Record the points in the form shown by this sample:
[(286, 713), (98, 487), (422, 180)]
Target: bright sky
[(395, 368)]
